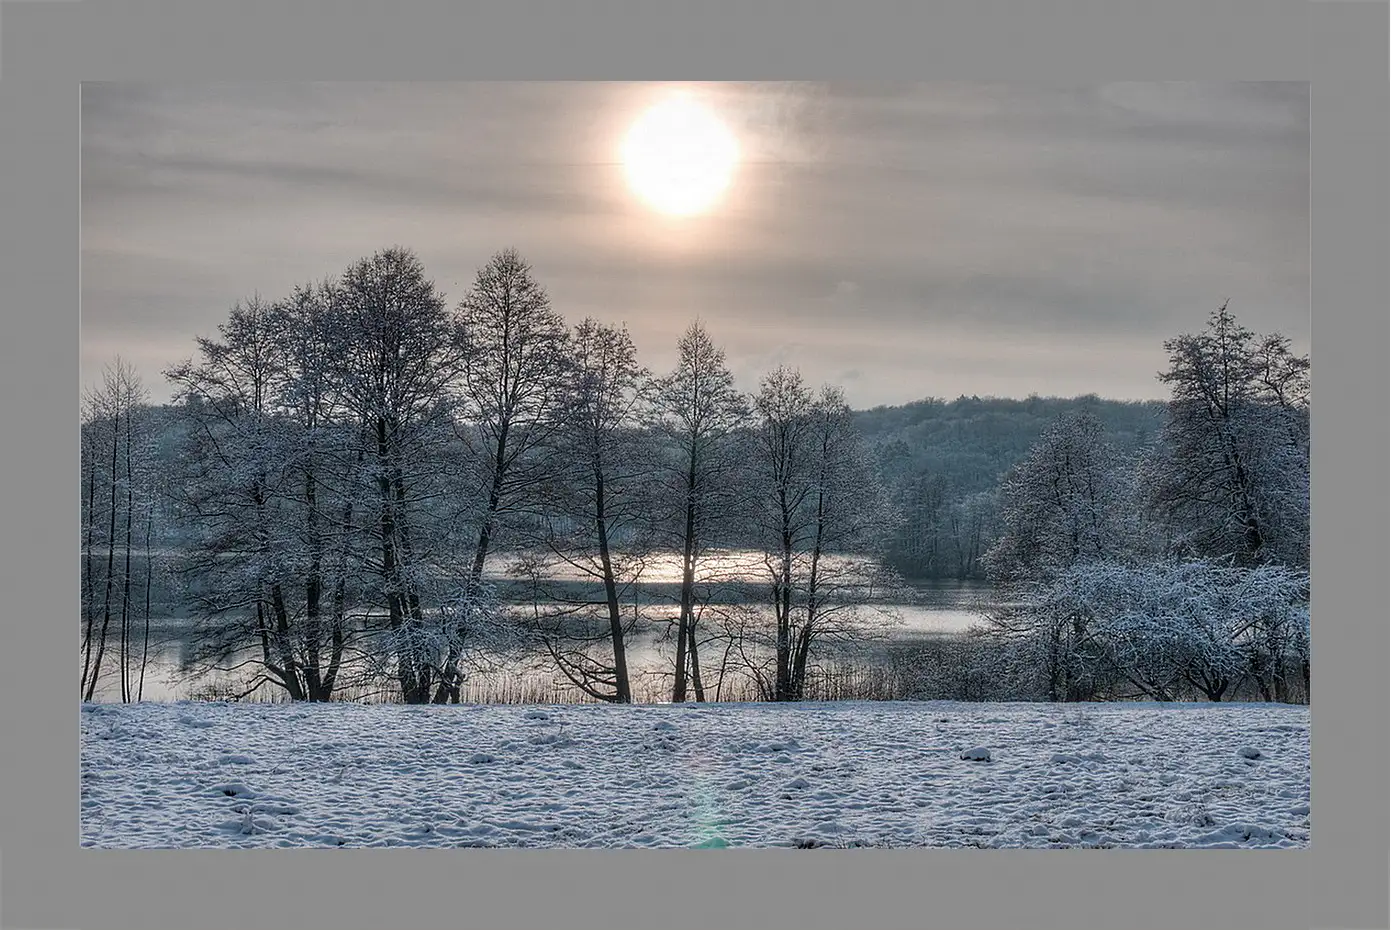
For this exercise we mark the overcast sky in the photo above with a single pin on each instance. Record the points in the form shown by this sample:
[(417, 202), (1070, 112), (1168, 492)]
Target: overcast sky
[(902, 241)]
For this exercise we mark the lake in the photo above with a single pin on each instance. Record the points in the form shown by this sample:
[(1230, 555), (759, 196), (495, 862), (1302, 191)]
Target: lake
[(929, 609)]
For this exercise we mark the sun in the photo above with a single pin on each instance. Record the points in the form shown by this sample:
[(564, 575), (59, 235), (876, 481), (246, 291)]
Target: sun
[(679, 156)]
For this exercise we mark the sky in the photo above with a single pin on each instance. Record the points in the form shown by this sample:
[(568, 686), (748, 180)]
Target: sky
[(901, 241)]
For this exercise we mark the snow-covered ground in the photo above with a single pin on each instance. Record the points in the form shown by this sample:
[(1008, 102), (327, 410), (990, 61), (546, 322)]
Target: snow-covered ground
[(853, 774)]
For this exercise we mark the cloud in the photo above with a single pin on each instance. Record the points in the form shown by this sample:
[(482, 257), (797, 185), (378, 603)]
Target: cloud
[(907, 239)]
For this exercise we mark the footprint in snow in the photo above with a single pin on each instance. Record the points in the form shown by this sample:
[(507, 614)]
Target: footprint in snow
[(234, 789)]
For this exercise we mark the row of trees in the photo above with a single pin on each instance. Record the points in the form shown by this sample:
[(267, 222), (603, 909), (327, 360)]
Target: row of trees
[(118, 525), (371, 491), (1182, 569), (358, 459)]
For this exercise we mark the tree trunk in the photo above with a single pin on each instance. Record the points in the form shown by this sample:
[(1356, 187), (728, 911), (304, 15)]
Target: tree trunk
[(313, 591), (405, 671), (808, 631), (110, 562), (339, 601), (485, 532), (282, 639), (724, 666), (1213, 685), (696, 684), (451, 682), (684, 634), (149, 579), (1076, 692), (264, 634), (1261, 674), (286, 671), (415, 617), (1054, 672), (798, 691), (782, 685), (88, 579), (623, 693), (1279, 667), (126, 690)]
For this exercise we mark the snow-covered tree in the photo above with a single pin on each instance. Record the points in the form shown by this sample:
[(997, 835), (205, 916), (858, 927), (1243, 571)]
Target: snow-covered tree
[(325, 484), (236, 491), (1070, 502), (1231, 477), (1173, 625), (317, 432), (399, 357)]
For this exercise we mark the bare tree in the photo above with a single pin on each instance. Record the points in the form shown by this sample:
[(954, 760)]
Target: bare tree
[(134, 402), (150, 494), (698, 413), (91, 418), (595, 509), (513, 378), (784, 443), (852, 524), (824, 523), (111, 408)]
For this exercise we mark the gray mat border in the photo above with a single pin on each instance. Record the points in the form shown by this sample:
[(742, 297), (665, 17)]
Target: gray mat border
[(47, 47)]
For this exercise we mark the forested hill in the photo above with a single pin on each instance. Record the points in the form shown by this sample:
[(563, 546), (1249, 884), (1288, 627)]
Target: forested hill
[(972, 441), (942, 460)]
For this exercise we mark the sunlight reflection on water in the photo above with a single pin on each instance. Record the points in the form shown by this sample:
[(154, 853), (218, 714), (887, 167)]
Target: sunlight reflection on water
[(936, 608)]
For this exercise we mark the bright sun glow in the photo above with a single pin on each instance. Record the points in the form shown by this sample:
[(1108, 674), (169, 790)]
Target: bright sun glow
[(679, 156)]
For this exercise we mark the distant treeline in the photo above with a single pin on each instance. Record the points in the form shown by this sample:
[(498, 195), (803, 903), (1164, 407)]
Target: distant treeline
[(943, 461)]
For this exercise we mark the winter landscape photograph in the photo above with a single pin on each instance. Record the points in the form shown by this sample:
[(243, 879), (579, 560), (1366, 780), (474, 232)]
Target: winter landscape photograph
[(695, 465)]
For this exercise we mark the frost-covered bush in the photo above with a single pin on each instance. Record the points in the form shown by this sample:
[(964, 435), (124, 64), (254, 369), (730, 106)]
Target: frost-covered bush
[(1166, 630)]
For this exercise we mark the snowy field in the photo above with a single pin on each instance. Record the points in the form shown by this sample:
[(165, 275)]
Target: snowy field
[(836, 775)]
